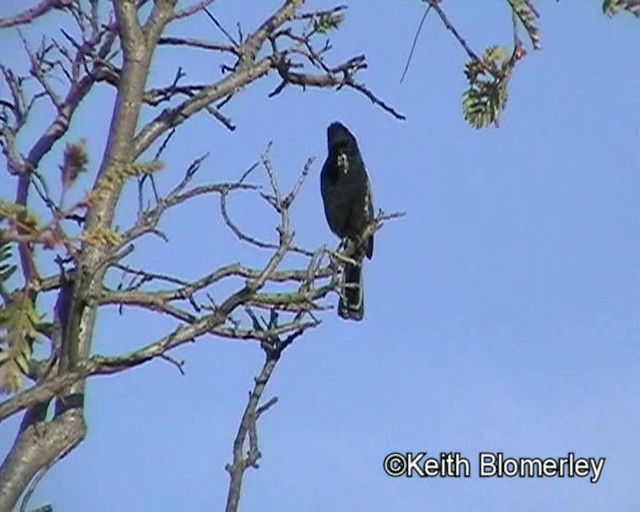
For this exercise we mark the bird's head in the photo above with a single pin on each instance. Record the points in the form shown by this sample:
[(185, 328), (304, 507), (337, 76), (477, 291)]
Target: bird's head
[(342, 144)]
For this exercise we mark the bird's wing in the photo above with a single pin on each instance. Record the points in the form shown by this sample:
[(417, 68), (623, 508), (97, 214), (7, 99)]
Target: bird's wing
[(369, 216)]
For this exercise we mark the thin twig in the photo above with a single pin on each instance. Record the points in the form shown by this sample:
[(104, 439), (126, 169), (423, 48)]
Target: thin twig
[(415, 42), (247, 431), (220, 27), (449, 26)]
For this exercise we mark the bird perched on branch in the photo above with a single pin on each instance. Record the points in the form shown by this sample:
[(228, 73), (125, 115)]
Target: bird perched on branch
[(346, 193)]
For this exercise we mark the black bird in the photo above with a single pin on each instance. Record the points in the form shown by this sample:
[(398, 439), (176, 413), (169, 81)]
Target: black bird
[(346, 193)]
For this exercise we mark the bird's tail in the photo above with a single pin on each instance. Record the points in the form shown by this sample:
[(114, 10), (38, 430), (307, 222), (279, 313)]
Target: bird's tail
[(351, 304)]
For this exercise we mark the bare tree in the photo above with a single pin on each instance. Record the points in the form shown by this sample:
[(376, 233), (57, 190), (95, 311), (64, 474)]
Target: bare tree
[(88, 267), (272, 304)]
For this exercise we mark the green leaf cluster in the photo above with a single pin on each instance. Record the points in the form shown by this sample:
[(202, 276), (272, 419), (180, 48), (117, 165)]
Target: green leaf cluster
[(612, 7), (6, 269), (18, 331), (488, 77), (326, 22), (487, 95), (524, 13)]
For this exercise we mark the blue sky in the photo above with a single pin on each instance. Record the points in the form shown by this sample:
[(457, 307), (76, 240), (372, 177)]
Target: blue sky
[(501, 312)]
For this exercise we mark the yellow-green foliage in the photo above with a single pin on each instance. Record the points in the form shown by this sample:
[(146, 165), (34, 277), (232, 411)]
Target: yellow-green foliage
[(116, 176), (101, 237), (611, 7), (326, 22), (18, 321), (487, 94), (488, 77), (527, 17), (6, 269), (18, 214)]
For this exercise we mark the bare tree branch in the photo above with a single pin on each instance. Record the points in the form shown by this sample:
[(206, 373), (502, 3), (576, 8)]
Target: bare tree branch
[(91, 254), (198, 43), (248, 430), (248, 68), (32, 13), (449, 26), (190, 11)]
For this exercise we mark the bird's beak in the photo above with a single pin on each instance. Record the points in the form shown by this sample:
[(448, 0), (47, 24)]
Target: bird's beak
[(343, 163)]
